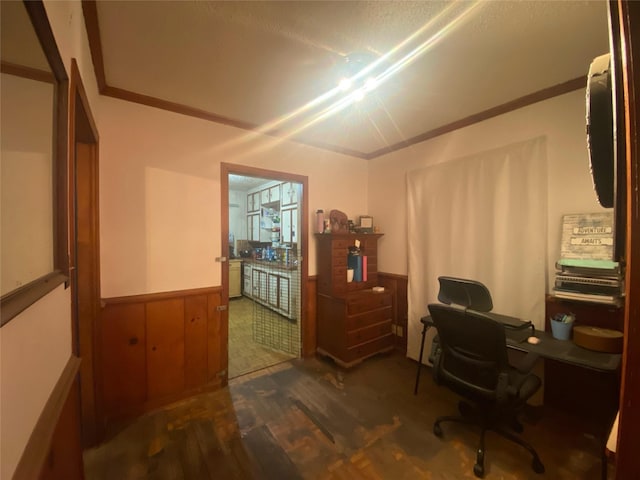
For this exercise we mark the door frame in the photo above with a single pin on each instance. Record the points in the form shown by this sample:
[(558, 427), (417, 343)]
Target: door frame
[(306, 324), (84, 260)]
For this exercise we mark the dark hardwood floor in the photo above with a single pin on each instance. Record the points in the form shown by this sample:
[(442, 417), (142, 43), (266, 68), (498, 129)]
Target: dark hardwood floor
[(310, 419)]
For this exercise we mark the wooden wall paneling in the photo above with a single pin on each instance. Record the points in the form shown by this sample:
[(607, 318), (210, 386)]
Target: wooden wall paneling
[(165, 347), (398, 285), (123, 346), (64, 459), (217, 334), (195, 341), (309, 330), (58, 427)]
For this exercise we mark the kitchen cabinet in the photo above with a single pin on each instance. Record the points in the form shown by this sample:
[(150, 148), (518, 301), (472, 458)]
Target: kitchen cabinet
[(354, 322), (235, 278), (284, 295), (289, 193), (253, 227), (253, 202), (272, 286), (247, 289), (259, 284), (270, 195), (289, 225), (279, 292)]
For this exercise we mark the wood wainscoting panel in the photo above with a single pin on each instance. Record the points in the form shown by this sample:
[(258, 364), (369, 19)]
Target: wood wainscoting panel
[(123, 347), (195, 341), (64, 459), (165, 347), (161, 347), (398, 285), (54, 447)]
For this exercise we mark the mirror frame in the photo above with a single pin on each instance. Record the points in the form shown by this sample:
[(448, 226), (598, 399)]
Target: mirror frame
[(21, 298)]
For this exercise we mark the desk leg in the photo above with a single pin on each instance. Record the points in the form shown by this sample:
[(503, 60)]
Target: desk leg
[(424, 332)]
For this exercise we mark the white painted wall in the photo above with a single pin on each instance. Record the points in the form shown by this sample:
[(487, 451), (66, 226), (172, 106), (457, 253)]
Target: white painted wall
[(34, 348), (560, 119), (160, 192), (36, 345)]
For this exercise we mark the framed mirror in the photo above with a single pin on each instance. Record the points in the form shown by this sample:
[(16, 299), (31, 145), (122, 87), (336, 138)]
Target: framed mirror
[(33, 244)]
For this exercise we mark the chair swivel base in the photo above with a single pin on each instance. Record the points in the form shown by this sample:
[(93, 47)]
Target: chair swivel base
[(470, 417)]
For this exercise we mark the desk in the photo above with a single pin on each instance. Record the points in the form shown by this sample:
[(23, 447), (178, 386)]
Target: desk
[(564, 351)]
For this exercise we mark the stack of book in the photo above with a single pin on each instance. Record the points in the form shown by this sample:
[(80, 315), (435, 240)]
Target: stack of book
[(598, 281), (585, 270), (360, 268)]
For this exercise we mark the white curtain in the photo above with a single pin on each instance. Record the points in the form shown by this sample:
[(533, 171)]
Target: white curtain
[(483, 218)]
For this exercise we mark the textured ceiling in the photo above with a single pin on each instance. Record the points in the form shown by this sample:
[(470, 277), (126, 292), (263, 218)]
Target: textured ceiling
[(257, 64)]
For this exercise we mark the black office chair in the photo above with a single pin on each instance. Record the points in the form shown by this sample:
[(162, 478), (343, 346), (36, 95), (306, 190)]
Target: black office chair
[(471, 359)]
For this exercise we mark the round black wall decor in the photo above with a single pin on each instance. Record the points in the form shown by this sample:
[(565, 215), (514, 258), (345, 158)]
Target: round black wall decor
[(600, 130)]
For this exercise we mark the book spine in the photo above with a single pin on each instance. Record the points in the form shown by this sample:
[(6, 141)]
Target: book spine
[(364, 268), (357, 274)]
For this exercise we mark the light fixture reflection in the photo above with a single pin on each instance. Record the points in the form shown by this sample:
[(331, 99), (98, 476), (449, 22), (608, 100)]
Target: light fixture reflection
[(426, 37), (359, 94), (345, 84), (370, 84)]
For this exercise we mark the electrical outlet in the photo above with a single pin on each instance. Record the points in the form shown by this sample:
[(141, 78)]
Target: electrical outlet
[(399, 331)]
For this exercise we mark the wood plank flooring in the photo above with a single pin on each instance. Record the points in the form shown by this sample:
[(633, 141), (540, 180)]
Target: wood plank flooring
[(308, 419)]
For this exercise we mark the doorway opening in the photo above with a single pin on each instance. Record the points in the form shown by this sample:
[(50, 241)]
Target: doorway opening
[(265, 269)]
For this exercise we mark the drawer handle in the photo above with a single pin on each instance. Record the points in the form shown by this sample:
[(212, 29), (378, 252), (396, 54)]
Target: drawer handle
[(133, 341)]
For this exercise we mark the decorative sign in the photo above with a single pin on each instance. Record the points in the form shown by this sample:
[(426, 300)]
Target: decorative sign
[(587, 236)]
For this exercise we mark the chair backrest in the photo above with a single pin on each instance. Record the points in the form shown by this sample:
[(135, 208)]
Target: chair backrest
[(467, 293), (473, 356)]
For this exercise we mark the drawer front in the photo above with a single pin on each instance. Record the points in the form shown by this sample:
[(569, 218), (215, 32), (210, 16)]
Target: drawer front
[(367, 302), (369, 348), (339, 260), (367, 319), (339, 275), (342, 243), (356, 337)]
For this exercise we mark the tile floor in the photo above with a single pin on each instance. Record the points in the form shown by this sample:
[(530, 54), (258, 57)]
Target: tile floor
[(245, 354)]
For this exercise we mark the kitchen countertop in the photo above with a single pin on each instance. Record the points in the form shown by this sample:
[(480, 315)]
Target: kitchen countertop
[(270, 265)]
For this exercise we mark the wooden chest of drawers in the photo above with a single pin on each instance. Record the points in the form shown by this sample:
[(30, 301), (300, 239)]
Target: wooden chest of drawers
[(354, 327)]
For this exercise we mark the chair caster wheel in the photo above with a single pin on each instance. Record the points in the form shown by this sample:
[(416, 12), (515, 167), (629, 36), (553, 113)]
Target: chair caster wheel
[(537, 465), (478, 470), (437, 430)]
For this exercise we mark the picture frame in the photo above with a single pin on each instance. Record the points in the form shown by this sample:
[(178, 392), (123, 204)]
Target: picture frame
[(366, 223)]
